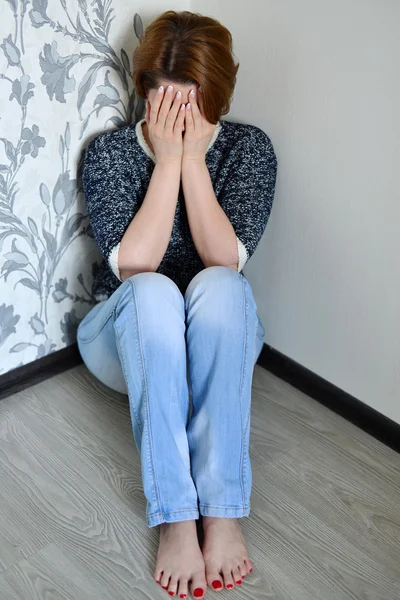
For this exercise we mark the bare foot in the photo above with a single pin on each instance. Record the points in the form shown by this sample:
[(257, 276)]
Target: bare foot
[(179, 560), (225, 554)]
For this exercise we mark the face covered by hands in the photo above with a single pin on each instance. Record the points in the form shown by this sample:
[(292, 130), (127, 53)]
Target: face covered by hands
[(162, 114)]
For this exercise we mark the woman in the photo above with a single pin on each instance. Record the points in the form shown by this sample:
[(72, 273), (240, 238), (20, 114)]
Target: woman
[(178, 203)]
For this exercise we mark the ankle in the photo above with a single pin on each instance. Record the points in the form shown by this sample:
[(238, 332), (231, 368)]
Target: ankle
[(210, 522), (177, 526)]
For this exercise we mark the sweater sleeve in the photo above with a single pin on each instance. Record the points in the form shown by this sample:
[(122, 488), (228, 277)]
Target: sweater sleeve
[(109, 195), (248, 191)]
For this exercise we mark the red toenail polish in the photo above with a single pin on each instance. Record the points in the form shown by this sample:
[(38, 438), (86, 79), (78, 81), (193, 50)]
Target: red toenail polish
[(229, 586), (243, 576), (239, 582), (216, 584), (198, 592), (250, 570), (171, 593), (182, 596), (164, 587)]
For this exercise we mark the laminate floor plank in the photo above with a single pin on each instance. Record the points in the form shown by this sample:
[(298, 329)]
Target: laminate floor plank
[(306, 420), (334, 535), (52, 574), (325, 519), (73, 505)]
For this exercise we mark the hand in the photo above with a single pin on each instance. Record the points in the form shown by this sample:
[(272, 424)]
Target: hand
[(198, 131), (164, 124)]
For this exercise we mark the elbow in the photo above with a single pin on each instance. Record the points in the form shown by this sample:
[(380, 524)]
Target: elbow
[(218, 263), (131, 270), (230, 261), (129, 265), (233, 257)]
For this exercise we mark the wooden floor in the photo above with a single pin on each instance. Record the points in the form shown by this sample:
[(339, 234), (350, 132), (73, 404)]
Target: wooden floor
[(325, 520)]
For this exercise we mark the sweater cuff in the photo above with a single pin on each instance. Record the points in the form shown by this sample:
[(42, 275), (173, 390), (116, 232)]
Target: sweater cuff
[(113, 261), (242, 254)]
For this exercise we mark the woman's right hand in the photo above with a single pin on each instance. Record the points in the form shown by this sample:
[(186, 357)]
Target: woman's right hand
[(165, 125)]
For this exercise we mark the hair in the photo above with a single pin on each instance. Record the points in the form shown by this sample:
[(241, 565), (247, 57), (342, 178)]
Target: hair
[(187, 48)]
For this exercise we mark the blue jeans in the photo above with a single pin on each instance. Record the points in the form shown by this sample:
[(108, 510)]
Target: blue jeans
[(164, 349)]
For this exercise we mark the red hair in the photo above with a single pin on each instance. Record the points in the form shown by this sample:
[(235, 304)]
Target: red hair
[(187, 48)]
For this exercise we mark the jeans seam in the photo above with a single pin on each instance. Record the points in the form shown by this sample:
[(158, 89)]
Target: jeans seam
[(242, 507), (172, 512), (124, 370), (242, 471), (150, 447)]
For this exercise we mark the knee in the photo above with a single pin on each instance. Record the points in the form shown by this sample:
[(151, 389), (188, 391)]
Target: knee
[(152, 281), (215, 296), (153, 305), (215, 281), (154, 298), (152, 288)]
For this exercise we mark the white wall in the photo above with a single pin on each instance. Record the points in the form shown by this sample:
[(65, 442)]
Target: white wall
[(322, 79)]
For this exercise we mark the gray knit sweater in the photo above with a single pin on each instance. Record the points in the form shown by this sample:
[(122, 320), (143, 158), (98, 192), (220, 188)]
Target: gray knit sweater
[(117, 168)]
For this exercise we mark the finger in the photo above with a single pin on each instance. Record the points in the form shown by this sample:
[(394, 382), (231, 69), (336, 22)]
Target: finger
[(194, 107), (180, 120), (165, 106), (173, 113), (156, 105), (189, 118)]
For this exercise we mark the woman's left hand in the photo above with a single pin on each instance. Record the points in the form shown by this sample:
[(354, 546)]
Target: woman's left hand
[(198, 131)]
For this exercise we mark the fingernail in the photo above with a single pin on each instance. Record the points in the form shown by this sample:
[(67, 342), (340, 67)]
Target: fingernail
[(216, 584), (229, 586), (161, 89), (192, 93), (188, 105), (169, 88), (178, 94), (200, 90), (198, 592)]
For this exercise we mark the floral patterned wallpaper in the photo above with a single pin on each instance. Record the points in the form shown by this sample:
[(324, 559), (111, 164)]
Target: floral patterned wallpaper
[(64, 77)]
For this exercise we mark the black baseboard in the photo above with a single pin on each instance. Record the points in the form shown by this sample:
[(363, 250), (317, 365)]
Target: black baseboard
[(340, 402), (38, 370)]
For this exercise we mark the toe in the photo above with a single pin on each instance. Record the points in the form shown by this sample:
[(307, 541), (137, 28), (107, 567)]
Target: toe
[(249, 565), (158, 575), (198, 592), (182, 590), (198, 585), (242, 569), (164, 581), (228, 579), (214, 580), (173, 586), (237, 576)]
